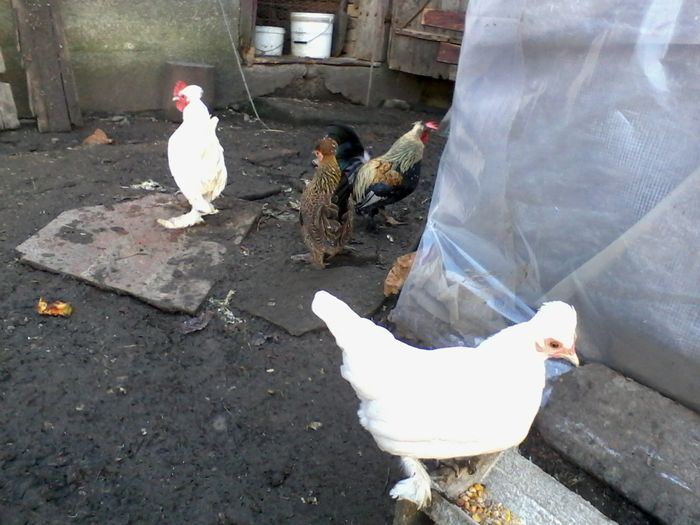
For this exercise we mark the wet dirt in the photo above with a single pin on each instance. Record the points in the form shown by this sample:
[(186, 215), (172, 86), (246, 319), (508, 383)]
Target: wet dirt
[(123, 413)]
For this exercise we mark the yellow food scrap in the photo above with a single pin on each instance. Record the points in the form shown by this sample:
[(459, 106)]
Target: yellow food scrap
[(54, 308), (483, 510)]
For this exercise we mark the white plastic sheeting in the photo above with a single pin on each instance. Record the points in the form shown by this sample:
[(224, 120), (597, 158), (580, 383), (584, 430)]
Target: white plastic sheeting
[(572, 171)]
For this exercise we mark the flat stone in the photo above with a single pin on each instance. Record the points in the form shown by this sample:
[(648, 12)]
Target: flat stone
[(290, 287), (122, 248), (269, 157), (643, 444), (240, 215), (511, 480), (273, 286)]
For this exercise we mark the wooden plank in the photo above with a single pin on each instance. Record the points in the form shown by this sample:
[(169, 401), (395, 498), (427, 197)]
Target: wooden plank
[(426, 35), (340, 28), (413, 13), (372, 34), (332, 61), (246, 29), (70, 89), (414, 47), (520, 486), (50, 83), (8, 110), (448, 53), (444, 19)]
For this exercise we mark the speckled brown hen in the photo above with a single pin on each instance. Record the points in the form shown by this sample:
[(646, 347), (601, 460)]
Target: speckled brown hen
[(326, 214)]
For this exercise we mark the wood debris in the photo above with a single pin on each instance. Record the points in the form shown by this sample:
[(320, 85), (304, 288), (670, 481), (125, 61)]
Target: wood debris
[(398, 274), (98, 137)]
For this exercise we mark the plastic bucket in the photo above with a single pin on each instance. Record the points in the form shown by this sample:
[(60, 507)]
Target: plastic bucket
[(269, 40), (312, 34)]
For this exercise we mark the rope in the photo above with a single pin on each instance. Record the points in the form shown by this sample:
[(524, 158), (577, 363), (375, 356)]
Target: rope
[(240, 68), (369, 81)]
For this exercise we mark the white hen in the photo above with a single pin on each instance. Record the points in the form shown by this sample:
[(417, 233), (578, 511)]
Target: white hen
[(410, 398), (195, 157)]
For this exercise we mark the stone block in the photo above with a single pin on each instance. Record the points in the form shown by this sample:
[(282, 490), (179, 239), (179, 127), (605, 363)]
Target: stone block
[(511, 480), (122, 248), (643, 444)]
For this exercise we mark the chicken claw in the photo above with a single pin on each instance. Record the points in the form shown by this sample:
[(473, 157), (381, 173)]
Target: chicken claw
[(182, 221), (391, 220)]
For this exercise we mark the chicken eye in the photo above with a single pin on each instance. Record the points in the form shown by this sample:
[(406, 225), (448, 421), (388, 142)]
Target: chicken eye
[(554, 344)]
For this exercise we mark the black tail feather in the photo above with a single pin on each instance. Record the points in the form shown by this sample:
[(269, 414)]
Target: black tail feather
[(350, 153)]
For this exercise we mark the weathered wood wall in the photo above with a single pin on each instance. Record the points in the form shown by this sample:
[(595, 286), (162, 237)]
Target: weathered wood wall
[(119, 49), (425, 46)]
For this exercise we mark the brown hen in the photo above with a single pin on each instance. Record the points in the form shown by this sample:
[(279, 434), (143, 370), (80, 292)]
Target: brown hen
[(326, 215)]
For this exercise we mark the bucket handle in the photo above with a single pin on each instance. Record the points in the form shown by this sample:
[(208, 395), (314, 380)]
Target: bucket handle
[(268, 50), (330, 24)]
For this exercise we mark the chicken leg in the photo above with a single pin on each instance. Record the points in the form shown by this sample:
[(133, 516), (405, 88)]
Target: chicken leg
[(416, 487)]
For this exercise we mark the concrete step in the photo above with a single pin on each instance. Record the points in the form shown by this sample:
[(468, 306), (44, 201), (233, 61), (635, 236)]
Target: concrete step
[(511, 480), (308, 112), (641, 443)]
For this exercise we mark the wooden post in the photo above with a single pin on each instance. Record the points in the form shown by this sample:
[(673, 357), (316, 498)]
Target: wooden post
[(371, 31), (246, 29), (53, 96), (8, 110)]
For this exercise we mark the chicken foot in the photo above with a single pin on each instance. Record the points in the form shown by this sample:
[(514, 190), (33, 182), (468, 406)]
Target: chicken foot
[(417, 486), (372, 226), (391, 220), (190, 218), (458, 466), (310, 259)]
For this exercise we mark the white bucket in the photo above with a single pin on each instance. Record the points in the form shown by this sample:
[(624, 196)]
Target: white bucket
[(312, 34), (269, 40)]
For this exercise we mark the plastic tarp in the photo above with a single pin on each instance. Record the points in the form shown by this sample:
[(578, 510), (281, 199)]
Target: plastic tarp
[(572, 172)]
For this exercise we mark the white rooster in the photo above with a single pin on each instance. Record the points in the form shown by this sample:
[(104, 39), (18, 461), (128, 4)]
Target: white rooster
[(195, 157), (411, 399)]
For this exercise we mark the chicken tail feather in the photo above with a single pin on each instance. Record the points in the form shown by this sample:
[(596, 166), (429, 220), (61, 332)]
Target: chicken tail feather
[(334, 312)]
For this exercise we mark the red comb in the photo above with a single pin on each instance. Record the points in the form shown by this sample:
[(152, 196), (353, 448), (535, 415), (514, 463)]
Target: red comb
[(179, 86), (432, 125)]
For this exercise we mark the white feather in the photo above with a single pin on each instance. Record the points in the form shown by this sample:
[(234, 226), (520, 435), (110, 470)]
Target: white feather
[(196, 161), (411, 399)]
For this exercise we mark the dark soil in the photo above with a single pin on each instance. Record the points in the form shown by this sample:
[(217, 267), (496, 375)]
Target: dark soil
[(116, 416)]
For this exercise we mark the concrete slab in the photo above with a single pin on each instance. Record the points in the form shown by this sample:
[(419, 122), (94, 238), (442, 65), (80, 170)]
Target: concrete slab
[(644, 445), (530, 493), (320, 113), (386, 83), (121, 248), (290, 286)]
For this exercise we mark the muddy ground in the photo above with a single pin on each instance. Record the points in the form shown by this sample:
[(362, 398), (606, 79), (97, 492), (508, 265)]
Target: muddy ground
[(116, 416)]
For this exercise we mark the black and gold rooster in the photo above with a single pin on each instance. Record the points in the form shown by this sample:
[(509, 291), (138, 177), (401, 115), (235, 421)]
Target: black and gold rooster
[(386, 179)]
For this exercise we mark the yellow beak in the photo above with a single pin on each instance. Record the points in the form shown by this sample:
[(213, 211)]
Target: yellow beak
[(571, 358)]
